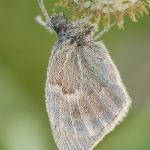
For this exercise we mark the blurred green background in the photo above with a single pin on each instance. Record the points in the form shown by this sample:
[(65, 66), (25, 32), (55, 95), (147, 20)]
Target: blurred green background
[(24, 52)]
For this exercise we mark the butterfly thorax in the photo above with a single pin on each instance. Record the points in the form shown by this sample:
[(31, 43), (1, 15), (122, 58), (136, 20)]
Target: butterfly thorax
[(73, 31)]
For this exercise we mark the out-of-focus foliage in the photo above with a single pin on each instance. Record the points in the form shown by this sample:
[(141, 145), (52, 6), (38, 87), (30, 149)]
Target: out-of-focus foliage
[(24, 52)]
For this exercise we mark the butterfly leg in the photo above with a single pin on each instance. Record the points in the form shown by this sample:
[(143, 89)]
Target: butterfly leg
[(40, 21), (100, 34)]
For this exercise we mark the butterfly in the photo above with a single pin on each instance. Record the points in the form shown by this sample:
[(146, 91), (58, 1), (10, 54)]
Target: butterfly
[(85, 96)]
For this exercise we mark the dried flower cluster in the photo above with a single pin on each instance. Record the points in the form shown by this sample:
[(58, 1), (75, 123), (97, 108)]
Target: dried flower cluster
[(106, 10)]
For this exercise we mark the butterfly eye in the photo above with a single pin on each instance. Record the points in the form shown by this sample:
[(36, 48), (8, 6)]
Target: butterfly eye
[(57, 29), (72, 41)]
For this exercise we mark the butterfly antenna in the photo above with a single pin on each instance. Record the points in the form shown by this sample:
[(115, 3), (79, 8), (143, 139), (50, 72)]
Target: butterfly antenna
[(45, 13)]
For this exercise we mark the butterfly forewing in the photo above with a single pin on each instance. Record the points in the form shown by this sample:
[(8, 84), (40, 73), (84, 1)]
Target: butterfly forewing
[(85, 96)]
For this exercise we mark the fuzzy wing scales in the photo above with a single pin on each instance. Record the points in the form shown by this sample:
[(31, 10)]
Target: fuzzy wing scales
[(85, 97)]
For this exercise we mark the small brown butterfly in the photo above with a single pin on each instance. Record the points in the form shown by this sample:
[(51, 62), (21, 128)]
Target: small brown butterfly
[(85, 97)]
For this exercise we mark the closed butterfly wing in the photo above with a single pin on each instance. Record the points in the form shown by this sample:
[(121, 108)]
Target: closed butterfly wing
[(85, 97)]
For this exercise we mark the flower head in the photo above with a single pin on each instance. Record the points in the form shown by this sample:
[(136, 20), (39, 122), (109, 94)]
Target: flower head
[(106, 10)]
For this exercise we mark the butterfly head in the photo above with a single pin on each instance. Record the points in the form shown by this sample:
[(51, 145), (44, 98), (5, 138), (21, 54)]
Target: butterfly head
[(59, 23)]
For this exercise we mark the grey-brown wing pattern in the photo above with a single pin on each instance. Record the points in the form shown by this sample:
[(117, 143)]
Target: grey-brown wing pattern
[(85, 96)]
